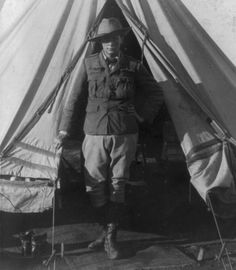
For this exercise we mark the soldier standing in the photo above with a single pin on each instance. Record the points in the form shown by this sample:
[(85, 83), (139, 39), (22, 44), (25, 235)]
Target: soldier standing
[(121, 95)]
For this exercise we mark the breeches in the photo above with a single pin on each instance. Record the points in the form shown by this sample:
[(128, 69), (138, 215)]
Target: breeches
[(107, 164)]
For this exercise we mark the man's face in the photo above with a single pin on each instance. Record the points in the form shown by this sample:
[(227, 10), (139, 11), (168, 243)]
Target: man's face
[(111, 45)]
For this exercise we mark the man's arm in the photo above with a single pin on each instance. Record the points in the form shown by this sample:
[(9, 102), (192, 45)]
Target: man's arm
[(75, 98), (149, 95), (72, 100)]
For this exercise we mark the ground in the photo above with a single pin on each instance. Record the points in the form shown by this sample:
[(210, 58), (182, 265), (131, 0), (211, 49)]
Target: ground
[(166, 225)]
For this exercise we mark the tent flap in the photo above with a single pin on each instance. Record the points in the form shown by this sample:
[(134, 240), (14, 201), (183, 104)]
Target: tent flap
[(203, 72), (35, 55), (198, 82)]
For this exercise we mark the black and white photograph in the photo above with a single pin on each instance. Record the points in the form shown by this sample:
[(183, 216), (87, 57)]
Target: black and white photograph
[(117, 134)]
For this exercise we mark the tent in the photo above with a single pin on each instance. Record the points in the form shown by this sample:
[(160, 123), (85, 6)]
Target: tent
[(189, 52)]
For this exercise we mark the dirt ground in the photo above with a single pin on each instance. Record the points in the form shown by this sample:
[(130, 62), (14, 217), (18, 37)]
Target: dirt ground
[(162, 203)]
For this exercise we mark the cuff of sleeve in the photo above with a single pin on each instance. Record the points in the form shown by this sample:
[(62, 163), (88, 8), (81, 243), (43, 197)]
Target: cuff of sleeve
[(63, 132)]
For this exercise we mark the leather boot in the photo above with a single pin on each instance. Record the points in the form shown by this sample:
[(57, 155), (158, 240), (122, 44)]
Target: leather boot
[(115, 211), (99, 242), (101, 217), (110, 242)]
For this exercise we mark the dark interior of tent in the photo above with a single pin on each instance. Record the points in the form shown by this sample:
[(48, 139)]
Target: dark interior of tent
[(159, 196), (159, 160)]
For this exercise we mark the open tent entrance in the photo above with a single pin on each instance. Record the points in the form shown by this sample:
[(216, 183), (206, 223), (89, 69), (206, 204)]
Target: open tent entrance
[(181, 56), (186, 62), (159, 184), (158, 147)]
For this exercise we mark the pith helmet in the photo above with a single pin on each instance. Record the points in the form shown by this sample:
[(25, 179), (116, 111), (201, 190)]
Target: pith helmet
[(108, 27)]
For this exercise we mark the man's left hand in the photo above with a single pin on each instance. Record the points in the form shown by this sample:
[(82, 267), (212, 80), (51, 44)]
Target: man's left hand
[(131, 110)]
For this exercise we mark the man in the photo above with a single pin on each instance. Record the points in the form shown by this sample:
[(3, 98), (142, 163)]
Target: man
[(121, 94)]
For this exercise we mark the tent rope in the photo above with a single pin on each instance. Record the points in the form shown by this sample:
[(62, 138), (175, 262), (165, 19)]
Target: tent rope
[(143, 45), (143, 29)]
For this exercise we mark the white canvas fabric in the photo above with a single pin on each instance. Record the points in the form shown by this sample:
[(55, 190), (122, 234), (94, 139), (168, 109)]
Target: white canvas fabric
[(25, 197), (35, 56), (37, 45), (207, 76)]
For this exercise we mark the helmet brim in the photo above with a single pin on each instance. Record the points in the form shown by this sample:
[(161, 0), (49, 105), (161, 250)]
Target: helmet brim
[(120, 32)]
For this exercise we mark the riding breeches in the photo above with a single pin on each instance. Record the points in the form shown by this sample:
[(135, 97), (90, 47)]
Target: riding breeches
[(107, 163)]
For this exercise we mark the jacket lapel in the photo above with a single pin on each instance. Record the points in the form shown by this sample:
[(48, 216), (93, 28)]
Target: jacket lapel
[(103, 63), (122, 63)]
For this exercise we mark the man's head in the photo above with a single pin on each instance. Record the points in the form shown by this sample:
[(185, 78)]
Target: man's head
[(111, 45), (110, 33)]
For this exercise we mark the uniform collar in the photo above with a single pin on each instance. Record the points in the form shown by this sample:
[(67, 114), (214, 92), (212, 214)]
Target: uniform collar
[(115, 59), (122, 62)]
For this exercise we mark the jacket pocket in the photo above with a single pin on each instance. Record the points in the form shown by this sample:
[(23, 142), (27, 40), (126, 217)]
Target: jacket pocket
[(92, 88), (125, 87), (92, 108), (97, 86)]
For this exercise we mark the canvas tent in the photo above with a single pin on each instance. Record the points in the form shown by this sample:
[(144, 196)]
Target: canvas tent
[(42, 47)]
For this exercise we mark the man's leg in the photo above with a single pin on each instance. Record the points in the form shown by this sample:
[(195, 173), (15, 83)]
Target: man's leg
[(96, 168), (122, 153), (101, 214)]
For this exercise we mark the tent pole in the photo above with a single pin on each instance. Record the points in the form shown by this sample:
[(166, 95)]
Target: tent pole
[(223, 243), (53, 225), (47, 262)]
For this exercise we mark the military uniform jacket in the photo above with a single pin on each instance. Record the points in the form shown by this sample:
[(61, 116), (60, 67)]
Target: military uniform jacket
[(111, 92)]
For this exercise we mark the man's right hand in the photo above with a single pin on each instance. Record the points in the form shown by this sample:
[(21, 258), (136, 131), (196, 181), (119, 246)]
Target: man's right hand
[(60, 139)]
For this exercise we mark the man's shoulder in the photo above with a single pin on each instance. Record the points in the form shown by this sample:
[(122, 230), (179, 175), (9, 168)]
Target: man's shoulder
[(133, 62), (91, 57), (91, 60), (131, 58)]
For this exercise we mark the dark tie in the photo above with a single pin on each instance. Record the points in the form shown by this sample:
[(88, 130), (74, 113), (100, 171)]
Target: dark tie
[(111, 62)]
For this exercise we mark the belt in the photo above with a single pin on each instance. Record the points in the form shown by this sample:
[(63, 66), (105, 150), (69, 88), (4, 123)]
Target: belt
[(110, 105)]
